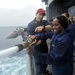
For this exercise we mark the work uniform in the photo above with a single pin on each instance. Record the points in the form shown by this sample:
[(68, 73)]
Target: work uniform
[(61, 51), (42, 48), (74, 41)]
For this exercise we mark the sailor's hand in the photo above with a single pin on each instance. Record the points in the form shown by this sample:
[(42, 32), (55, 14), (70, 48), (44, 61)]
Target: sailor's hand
[(29, 50), (38, 42), (34, 41), (32, 37), (39, 28), (28, 47), (26, 44)]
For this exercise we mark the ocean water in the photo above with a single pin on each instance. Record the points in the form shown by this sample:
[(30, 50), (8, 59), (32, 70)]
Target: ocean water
[(16, 63)]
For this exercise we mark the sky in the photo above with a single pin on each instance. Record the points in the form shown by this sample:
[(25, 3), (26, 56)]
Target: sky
[(18, 12)]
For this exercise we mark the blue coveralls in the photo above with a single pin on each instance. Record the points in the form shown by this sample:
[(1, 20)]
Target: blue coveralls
[(61, 52), (74, 40), (42, 48)]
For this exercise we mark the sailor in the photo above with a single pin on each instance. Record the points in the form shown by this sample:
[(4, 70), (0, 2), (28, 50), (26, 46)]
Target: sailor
[(61, 47), (42, 47)]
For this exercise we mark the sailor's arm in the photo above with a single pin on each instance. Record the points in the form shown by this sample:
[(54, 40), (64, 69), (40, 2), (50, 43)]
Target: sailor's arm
[(41, 28), (48, 28)]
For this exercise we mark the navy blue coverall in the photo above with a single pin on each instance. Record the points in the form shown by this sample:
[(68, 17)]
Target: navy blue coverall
[(61, 51), (42, 48)]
